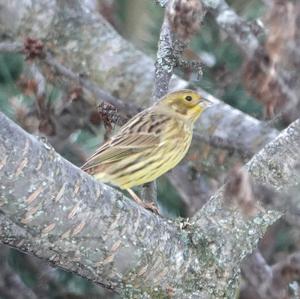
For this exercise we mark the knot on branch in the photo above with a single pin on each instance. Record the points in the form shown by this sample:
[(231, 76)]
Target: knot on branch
[(260, 78), (239, 191), (76, 94), (108, 114), (185, 17), (249, 196), (288, 270), (33, 48)]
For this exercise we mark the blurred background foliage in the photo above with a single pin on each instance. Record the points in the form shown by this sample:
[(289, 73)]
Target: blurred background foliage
[(138, 21)]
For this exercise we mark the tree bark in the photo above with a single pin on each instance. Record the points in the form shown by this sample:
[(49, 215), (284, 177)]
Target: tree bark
[(52, 210), (55, 211)]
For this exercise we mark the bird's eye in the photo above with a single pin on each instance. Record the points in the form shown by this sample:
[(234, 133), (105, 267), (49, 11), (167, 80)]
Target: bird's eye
[(188, 98)]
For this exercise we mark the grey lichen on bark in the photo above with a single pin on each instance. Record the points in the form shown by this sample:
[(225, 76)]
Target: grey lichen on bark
[(80, 224), (67, 218), (58, 213), (231, 236), (164, 64), (273, 164), (87, 227)]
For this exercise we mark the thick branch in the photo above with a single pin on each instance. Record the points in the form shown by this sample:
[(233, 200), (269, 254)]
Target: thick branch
[(109, 239), (104, 237), (233, 25), (276, 166)]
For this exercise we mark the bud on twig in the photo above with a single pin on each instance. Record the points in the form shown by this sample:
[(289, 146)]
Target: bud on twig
[(185, 17), (238, 191)]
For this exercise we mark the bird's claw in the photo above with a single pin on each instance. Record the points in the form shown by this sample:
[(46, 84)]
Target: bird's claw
[(151, 207)]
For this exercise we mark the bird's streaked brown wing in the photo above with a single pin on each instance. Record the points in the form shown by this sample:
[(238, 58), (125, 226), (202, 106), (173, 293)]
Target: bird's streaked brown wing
[(141, 132), (122, 146)]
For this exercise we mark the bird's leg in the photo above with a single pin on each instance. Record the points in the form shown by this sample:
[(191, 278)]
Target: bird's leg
[(149, 206), (135, 197), (149, 193)]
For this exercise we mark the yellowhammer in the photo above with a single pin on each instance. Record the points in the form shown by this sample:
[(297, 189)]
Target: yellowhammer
[(149, 144)]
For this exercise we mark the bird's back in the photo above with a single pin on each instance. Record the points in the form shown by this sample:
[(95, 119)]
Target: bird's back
[(150, 144)]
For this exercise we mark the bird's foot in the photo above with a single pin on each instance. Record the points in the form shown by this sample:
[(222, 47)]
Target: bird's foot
[(149, 206)]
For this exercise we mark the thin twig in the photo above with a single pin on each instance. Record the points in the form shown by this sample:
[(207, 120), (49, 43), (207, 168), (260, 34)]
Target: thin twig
[(271, 281), (165, 60), (163, 72), (177, 29), (242, 34), (181, 21), (128, 109)]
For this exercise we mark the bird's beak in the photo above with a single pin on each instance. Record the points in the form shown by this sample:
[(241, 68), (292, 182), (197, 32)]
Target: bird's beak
[(206, 103)]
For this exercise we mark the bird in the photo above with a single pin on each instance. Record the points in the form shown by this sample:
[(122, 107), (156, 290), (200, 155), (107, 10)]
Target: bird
[(151, 143)]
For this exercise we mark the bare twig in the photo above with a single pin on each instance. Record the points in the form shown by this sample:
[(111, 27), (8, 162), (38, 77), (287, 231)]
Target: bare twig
[(238, 29), (271, 281), (163, 71), (58, 68), (242, 34), (127, 108), (165, 61), (181, 21)]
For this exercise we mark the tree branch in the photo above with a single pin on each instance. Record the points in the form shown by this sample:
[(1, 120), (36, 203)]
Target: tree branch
[(233, 25), (121, 245), (271, 281), (53, 222), (66, 74), (189, 190)]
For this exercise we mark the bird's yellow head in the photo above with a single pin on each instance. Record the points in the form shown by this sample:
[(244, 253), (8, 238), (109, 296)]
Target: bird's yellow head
[(188, 104)]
